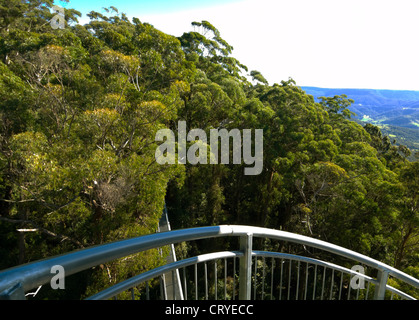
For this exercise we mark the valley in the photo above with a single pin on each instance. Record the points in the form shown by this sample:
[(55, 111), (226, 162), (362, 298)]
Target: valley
[(395, 112)]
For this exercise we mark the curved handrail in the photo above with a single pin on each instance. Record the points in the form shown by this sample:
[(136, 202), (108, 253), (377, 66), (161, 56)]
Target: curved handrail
[(133, 281), (146, 276), (328, 265), (332, 248), (37, 273), (33, 274), (136, 280)]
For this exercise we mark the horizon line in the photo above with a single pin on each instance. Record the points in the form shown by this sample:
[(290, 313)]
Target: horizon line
[(355, 88)]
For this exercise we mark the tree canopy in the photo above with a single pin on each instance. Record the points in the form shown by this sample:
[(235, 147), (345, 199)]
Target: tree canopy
[(80, 108)]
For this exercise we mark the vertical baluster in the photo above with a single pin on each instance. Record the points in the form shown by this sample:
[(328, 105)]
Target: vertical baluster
[(162, 288), (234, 278), (254, 283), (185, 289), (289, 279), (225, 279), (368, 289), (298, 280), (263, 278), (132, 294), (196, 281), (147, 291), (272, 276), (315, 281), (340, 286), (173, 284), (306, 284), (215, 278), (349, 289), (280, 280), (324, 278), (206, 280), (331, 285)]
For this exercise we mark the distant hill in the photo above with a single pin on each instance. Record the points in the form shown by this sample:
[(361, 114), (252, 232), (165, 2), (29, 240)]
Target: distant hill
[(396, 112)]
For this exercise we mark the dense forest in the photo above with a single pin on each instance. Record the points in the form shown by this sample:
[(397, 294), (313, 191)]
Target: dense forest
[(395, 112), (80, 107)]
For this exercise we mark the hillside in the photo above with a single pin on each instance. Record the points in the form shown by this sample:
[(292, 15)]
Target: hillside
[(396, 112)]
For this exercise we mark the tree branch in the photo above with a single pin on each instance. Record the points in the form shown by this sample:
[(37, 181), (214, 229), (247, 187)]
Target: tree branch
[(43, 230)]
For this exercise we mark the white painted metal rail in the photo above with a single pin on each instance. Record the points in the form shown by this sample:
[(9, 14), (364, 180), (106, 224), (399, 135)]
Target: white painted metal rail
[(242, 274)]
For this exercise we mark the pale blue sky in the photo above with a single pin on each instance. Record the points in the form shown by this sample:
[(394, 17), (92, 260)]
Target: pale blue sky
[(141, 7), (325, 43)]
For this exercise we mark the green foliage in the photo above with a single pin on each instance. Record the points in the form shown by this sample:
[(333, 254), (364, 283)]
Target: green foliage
[(338, 105), (80, 108)]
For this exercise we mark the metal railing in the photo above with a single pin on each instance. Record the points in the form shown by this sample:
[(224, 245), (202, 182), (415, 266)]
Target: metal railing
[(245, 274)]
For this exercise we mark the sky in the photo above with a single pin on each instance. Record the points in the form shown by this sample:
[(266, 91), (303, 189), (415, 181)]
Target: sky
[(369, 44)]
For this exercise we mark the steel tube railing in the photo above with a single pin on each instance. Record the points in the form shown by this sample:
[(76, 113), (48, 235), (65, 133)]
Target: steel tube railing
[(38, 273), (324, 264), (136, 280), (319, 244), (26, 277), (144, 277)]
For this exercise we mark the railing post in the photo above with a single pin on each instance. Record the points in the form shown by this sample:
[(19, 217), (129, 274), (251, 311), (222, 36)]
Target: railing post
[(245, 266), (380, 287)]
